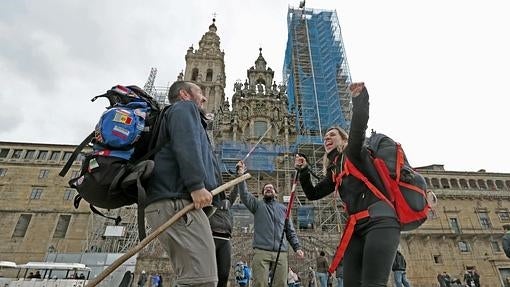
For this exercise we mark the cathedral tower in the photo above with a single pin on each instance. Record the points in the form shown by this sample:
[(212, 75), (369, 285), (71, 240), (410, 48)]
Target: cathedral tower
[(206, 67)]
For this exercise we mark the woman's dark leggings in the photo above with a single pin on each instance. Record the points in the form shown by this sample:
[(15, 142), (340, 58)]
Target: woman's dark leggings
[(368, 258), (223, 253)]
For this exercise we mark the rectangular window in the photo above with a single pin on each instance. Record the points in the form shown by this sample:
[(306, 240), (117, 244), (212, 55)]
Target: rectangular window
[(454, 224), (55, 155), (36, 193), (68, 194), (30, 154), (67, 155), (80, 157), (432, 214), (17, 153), (438, 259), (75, 173), (495, 246), (504, 216), (21, 227), (43, 154), (485, 221), (463, 246), (4, 152), (3, 172), (43, 173), (62, 225)]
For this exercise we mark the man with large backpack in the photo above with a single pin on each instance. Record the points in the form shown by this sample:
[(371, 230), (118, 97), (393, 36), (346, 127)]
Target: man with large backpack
[(185, 171)]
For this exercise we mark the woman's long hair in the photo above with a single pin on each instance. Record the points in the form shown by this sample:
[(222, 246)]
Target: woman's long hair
[(325, 160)]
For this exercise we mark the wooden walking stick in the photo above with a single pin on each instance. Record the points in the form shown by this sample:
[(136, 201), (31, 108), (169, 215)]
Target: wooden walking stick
[(115, 264)]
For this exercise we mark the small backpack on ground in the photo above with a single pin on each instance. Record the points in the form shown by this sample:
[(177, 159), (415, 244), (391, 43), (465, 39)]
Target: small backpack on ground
[(114, 173)]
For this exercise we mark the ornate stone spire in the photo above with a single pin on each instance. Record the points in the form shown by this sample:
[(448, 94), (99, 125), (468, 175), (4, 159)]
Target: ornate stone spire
[(260, 63)]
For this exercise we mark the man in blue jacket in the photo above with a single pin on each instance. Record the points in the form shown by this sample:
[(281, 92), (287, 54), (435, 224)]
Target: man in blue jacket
[(269, 224), (185, 171)]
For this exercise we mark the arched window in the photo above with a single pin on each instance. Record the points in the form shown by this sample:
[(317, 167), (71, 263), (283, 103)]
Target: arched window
[(208, 77), (463, 184), (454, 183), (445, 183), (194, 74), (481, 184), (472, 184)]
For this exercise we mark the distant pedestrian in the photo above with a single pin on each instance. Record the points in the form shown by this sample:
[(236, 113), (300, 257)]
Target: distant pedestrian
[(322, 269), (340, 275), (399, 271), (447, 279), (155, 280), (312, 282), (292, 278), (142, 279), (468, 279), (440, 279)]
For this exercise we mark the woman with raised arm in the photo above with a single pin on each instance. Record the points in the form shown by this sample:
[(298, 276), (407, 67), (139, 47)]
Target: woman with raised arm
[(372, 232)]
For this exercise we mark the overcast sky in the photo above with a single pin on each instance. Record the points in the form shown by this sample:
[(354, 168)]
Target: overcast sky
[(437, 71)]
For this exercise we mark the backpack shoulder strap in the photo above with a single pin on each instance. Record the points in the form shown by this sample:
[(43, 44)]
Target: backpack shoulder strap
[(153, 148), (351, 169), (116, 219), (76, 203), (75, 153)]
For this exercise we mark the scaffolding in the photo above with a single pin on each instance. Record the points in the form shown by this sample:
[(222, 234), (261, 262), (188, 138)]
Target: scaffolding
[(317, 73)]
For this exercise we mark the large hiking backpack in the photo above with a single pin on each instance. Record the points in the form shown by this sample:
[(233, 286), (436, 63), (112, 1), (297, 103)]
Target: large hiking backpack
[(404, 188), (123, 142)]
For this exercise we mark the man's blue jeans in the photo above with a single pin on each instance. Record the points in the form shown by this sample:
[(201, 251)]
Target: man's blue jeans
[(323, 279), (340, 281), (400, 279)]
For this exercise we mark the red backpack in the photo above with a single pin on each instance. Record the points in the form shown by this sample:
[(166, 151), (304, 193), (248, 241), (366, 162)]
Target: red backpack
[(405, 189)]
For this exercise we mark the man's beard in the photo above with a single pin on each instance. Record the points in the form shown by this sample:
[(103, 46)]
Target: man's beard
[(268, 197)]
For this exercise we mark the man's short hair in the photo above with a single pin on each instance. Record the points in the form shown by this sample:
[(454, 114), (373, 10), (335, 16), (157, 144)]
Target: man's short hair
[(175, 88)]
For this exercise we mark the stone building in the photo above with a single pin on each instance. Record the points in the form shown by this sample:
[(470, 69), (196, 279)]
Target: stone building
[(36, 205)]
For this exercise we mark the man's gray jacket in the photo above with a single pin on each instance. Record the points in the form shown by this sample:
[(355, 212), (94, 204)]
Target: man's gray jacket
[(269, 219)]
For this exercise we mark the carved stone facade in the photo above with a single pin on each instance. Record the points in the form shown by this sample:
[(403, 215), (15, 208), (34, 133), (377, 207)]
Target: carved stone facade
[(259, 108)]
